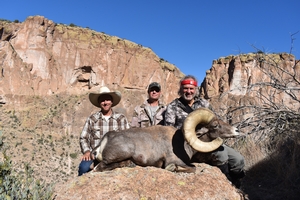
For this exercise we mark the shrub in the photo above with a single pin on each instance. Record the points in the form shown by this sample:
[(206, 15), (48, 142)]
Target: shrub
[(20, 186), (73, 155)]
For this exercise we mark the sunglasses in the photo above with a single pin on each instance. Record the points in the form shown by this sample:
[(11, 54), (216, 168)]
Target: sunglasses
[(154, 89)]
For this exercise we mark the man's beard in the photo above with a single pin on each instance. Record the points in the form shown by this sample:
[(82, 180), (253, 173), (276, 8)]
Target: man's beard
[(188, 97)]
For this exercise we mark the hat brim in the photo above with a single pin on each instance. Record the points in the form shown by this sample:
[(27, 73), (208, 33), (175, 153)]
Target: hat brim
[(116, 97)]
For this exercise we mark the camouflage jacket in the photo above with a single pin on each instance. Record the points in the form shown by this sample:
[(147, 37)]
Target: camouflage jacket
[(142, 115), (176, 111)]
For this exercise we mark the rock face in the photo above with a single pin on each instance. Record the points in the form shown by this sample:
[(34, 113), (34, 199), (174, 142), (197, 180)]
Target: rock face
[(40, 57), (253, 79), (150, 183)]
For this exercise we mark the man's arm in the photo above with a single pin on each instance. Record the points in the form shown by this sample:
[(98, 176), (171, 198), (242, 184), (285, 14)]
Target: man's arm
[(170, 116), (124, 123), (135, 118), (84, 138)]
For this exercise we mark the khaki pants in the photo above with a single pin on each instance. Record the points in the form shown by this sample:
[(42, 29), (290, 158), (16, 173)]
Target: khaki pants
[(222, 155)]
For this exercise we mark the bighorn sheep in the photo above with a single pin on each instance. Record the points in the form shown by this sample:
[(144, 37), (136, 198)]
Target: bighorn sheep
[(162, 146)]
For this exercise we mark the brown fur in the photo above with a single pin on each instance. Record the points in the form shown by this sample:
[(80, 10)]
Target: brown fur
[(158, 146)]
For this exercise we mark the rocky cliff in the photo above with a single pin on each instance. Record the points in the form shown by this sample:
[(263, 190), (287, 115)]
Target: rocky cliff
[(40, 57), (253, 79), (236, 75)]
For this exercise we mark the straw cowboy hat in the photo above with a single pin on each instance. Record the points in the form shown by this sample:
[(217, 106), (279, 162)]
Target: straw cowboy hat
[(116, 96)]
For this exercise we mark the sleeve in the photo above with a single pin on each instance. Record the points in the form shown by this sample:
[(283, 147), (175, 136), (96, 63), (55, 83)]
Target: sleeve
[(170, 116), (124, 123), (160, 117), (206, 104), (84, 137), (135, 118)]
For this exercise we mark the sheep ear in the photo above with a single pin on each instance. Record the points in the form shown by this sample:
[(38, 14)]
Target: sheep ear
[(199, 116), (214, 124)]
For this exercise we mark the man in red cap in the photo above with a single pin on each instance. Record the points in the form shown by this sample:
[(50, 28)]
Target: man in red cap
[(230, 162)]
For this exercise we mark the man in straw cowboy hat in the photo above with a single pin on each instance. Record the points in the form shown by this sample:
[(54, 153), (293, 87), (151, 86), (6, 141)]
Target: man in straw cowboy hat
[(99, 123)]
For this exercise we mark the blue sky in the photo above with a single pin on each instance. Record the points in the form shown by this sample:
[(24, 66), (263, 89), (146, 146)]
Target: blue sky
[(187, 33)]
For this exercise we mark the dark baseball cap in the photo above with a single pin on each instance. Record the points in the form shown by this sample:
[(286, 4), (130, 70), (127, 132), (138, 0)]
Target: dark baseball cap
[(154, 84)]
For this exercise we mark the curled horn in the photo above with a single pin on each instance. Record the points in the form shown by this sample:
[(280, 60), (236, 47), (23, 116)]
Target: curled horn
[(199, 116)]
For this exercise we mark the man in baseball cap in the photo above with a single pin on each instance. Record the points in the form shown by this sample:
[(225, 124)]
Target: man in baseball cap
[(151, 111)]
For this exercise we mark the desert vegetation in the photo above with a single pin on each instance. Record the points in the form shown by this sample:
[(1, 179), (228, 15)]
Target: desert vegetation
[(23, 185), (271, 145), (37, 152)]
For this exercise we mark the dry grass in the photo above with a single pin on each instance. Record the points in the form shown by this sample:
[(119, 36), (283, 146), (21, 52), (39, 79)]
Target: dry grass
[(271, 122), (273, 170), (251, 150)]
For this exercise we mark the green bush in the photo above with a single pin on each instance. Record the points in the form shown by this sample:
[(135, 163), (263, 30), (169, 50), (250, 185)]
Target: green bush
[(73, 155), (20, 186), (72, 25)]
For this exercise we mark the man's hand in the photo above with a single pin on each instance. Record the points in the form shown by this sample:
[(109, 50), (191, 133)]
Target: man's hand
[(86, 156)]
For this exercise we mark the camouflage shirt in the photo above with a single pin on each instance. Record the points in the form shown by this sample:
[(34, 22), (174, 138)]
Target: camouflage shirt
[(96, 126), (176, 111), (142, 116)]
